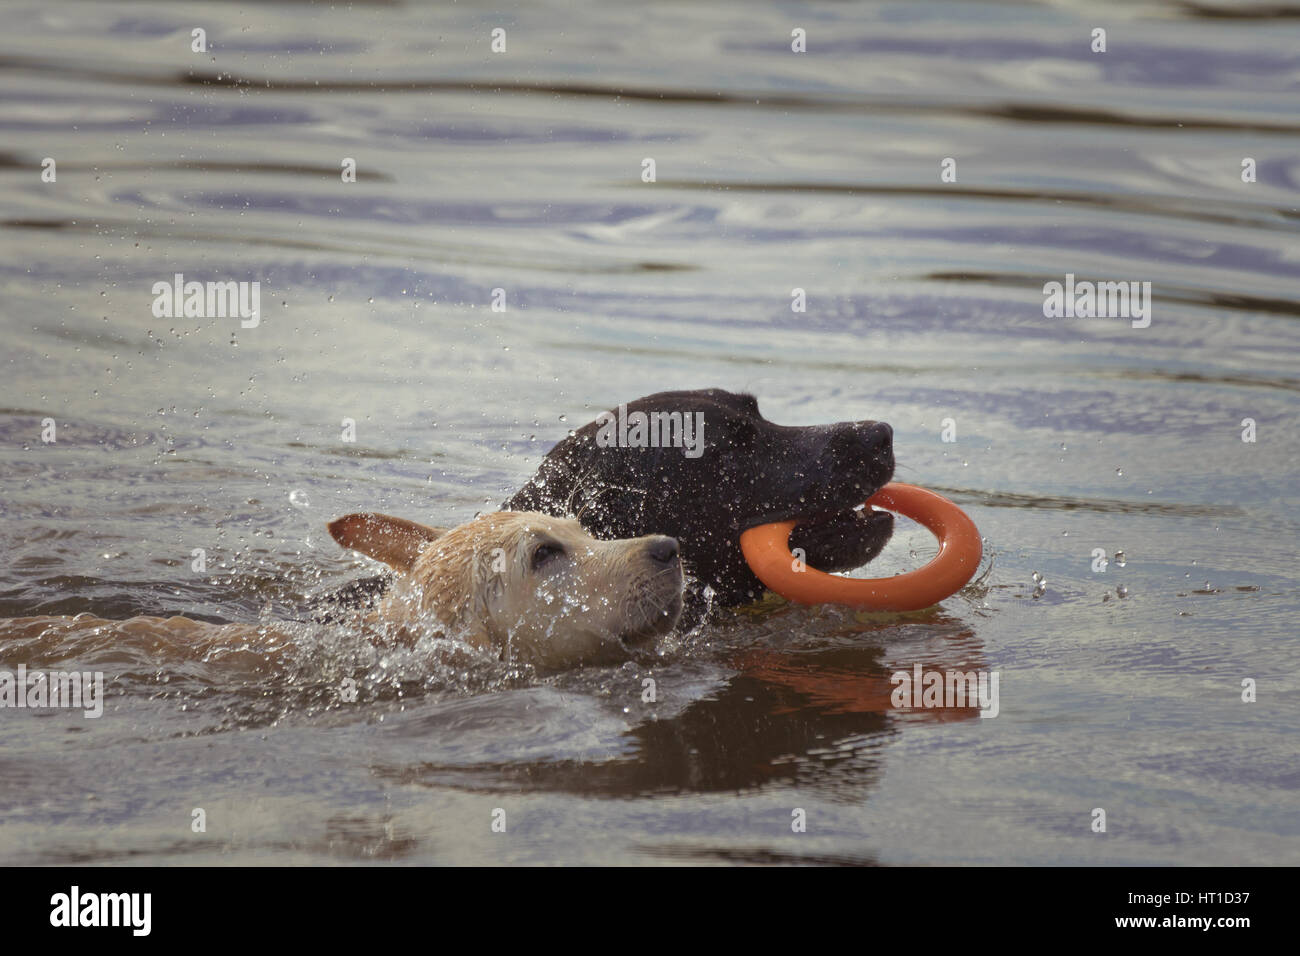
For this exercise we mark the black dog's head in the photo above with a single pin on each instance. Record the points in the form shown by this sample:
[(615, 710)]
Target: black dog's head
[(703, 466)]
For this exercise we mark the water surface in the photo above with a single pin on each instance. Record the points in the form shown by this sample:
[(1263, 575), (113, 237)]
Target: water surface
[(775, 171)]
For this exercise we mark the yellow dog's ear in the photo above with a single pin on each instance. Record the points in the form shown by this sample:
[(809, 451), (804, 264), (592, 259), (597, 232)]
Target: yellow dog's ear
[(394, 541)]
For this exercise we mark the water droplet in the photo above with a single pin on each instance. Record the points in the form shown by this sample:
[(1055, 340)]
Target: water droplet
[(298, 498), (1122, 591), (1120, 559)]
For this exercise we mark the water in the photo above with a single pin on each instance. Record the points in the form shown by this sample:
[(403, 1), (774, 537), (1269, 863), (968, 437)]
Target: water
[(1120, 689)]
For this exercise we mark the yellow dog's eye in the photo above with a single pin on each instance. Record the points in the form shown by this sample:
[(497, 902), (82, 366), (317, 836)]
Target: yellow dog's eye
[(544, 553)]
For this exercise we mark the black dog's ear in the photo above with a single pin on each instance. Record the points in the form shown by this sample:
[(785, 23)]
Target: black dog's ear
[(742, 402), (394, 541)]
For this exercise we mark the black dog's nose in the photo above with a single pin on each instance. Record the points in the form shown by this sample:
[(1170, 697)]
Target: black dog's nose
[(662, 549), (877, 435), (854, 438), (860, 452)]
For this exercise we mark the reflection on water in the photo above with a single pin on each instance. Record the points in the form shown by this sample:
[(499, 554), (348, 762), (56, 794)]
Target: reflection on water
[(522, 172)]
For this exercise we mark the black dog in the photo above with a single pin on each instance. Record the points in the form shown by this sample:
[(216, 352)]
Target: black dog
[(703, 466)]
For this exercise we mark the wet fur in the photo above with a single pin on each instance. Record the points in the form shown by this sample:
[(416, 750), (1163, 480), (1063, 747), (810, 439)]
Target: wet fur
[(751, 471), (597, 602)]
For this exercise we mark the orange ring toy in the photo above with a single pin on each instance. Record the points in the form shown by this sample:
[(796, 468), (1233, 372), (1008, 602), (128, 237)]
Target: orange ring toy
[(767, 549)]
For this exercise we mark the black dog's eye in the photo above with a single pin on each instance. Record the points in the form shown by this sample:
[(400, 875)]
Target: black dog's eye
[(544, 553)]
